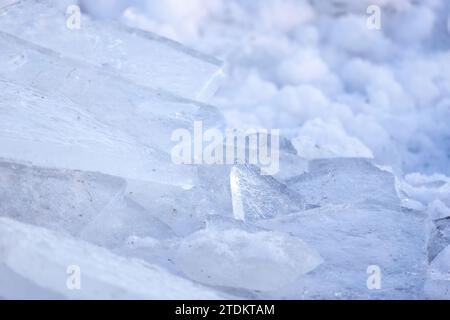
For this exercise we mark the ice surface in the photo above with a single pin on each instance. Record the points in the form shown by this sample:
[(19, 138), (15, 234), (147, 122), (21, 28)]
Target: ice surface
[(350, 239), (55, 199), (359, 224), (79, 203), (255, 196), (215, 179), (53, 132), (34, 264), (346, 181), (235, 258), (141, 57), (149, 116), (120, 128), (215, 182)]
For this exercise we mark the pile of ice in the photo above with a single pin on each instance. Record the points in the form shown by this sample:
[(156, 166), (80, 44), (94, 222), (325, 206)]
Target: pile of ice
[(92, 205), (336, 87)]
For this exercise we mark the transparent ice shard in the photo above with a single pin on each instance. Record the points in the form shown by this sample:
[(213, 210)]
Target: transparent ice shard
[(346, 181), (34, 263), (141, 57), (235, 258), (148, 116), (215, 179), (255, 196)]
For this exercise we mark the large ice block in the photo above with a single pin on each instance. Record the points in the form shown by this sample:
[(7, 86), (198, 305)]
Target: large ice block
[(141, 57), (38, 263), (354, 242), (148, 116), (87, 205), (359, 229), (99, 208), (62, 200)]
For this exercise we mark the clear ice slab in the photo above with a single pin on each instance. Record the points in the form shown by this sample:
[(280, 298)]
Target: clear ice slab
[(62, 200), (34, 263), (141, 57), (102, 209), (261, 260), (63, 113), (359, 225)]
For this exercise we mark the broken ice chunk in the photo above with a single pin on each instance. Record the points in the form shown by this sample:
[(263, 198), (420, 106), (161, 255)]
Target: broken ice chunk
[(255, 196), (56, 199), (51, 132), (141, 57), (235, 258), (97, 207), (346, 181), (148, 116), (39, 261), (351, 239), (215, 180)]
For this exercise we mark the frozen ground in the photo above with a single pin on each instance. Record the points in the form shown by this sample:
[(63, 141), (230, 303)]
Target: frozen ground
[(86, 177)]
